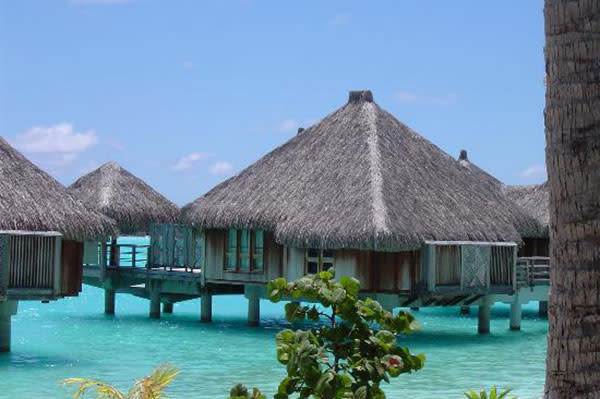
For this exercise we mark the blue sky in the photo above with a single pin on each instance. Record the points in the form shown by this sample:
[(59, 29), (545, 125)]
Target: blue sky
[(186, 93)]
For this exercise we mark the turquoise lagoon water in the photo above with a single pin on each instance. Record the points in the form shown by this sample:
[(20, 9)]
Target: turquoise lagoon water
[(73, 338)]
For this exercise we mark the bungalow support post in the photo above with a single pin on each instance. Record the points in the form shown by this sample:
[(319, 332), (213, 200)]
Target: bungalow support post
[(253, 293), (154, 299), (168, 307), (7, 310), (253, 311), (543, 308), (483, 325), (465, 310), (515, 316), (206, 308), (109, 301)]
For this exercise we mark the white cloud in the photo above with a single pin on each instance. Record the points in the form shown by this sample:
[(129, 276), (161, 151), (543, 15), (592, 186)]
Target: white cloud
[(533, 172), (61, 138), (339, 19), (221, 168), (188, 161), (54, 147), (409, 97), (288, 125)]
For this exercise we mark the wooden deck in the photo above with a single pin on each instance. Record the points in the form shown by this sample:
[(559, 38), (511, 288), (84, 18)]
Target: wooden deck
[(166, 285)]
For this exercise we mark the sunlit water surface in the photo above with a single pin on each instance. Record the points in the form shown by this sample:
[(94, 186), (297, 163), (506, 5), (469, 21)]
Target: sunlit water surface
[(73, 338)]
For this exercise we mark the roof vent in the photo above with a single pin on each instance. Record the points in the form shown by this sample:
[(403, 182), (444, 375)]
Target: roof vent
[(463, 155), (300, 130), (359, 96)]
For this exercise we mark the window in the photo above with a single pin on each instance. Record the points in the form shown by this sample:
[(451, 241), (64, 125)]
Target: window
[(231, 255), (244, 251), (318, 260), (257, 249)]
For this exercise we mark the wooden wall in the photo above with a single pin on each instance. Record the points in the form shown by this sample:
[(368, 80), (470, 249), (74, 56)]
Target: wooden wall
[(377, 271), (72, 267), (215, 241)]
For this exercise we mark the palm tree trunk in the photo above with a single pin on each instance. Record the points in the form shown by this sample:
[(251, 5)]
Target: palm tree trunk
[(572, 119)]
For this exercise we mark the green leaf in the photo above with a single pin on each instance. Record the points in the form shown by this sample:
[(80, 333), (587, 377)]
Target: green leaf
[(350, 284), (361, 393), (313, 314)]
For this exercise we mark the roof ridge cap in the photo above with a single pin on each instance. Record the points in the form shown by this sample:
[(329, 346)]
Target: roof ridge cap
[(379, 208)]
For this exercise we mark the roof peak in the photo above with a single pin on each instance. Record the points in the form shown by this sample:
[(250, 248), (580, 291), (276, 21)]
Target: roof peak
[(111, 164), (359, 96)]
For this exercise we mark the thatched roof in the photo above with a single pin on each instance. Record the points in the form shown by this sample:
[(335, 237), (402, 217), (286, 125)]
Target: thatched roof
[(357, 179), (30, 199), (117, 193), (527, 225), (477, 173), (535, 200)]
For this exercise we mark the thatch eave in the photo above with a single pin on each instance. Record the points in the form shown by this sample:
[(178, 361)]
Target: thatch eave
[(32, 200)]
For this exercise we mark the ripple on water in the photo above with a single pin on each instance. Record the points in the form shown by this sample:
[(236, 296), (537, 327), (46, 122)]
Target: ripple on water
[(72, 337)]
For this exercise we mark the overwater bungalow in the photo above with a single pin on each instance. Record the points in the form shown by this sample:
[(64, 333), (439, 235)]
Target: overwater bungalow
[(125, 198), (133, 204), (533, 201), (362, 192), (42, 229), (358, 191)]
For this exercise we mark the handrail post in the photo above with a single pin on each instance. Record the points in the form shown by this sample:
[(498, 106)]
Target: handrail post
[(133, 252)]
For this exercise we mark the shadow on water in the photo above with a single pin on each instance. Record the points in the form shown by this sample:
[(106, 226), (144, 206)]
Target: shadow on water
[(35, 360)]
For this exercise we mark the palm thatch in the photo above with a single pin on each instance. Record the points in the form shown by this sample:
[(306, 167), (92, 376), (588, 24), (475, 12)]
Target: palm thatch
[(477, 173), (117, 193), (30, 199), (357, 179), (535, 200), (527, 225)]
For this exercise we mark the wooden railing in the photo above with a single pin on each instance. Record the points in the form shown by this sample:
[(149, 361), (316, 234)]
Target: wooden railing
[(33, 263), (533, 271), (135, 256), (129, 255)]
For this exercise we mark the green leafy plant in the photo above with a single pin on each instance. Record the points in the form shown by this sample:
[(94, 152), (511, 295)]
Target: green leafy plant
[(492, 395), (350, 349), (239, 391), (150, 387)]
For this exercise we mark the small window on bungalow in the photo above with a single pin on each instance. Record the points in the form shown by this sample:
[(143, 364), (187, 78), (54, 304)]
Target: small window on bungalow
[(245, 251), (231, 254), (257, 249), (318, 260)]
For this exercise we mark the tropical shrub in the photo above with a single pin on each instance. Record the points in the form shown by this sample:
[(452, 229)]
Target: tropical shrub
[(352, 345), (150, 387), (492, 395)]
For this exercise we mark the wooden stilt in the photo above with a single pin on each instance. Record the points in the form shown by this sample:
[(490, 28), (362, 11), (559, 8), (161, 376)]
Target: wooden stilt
[(253, 311), (109, 301), (483, 326), (543, 308), (206, 308), (515, 316), (167, 307), (7, 310), (155, 300)]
